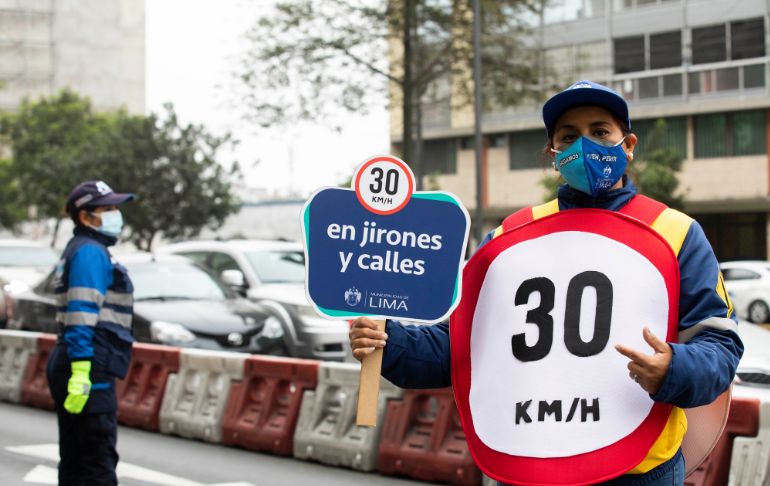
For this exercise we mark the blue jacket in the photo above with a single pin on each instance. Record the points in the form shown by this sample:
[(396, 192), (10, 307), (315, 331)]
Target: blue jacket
[(700, 370), (94, 310)]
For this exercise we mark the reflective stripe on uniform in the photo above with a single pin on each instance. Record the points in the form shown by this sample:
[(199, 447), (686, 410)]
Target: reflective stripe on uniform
[(119, 298), (80, 318), (722, 293), (718, 323), (85, 294), (110, 315)]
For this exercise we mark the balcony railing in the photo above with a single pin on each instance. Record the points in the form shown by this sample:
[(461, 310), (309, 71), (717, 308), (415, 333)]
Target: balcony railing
[(732, 77)]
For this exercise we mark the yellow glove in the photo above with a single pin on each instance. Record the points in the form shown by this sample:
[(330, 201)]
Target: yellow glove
[(78, 387)]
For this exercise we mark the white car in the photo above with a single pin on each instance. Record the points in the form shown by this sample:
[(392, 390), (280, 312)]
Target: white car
[(23, 264), (272, 273), (748, 284)]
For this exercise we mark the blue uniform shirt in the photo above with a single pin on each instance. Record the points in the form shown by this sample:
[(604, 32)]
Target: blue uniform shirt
[(700, 370)]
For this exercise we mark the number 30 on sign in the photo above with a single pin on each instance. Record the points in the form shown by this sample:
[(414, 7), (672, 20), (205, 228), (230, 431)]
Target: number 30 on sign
[(384, 184)]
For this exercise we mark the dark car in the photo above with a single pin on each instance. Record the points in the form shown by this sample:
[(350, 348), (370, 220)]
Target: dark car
[(176, 302)]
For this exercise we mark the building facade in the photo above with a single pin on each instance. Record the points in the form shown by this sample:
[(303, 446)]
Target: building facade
[(95, 47), (699, 65)]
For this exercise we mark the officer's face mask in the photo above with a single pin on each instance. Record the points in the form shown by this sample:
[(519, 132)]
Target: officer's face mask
[(112, 223), (591, 166)]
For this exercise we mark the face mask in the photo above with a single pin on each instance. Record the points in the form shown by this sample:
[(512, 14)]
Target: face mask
[(112, 223), (591, 167)]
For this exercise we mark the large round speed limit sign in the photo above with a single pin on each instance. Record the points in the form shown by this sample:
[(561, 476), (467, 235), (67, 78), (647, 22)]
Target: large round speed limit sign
[(544, 397), (383, 184)]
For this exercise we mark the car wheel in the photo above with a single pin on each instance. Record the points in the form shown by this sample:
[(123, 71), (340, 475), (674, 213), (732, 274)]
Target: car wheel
[(759, 313)]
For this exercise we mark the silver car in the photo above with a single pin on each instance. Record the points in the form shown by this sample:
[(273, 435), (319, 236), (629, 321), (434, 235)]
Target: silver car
[(273, 274)]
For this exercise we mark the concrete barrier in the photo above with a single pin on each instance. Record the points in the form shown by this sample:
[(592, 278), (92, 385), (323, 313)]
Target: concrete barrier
[(15, 350), (326, 430), (195, 398)]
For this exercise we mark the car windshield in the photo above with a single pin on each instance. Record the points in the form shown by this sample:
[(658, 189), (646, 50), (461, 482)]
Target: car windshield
[(27, 256), (278, 266), (173, 281)]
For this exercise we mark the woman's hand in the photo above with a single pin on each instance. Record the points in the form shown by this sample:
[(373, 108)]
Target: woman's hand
[(648, 370), (365, 337)]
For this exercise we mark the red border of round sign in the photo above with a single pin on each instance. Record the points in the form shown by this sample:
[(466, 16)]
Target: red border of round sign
[(399, 163), (615, 459)]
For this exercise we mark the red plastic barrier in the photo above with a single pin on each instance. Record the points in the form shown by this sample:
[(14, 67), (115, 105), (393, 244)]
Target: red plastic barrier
[(34, 386), (262, 410), (742, 421), (140, 394), (422, 438)]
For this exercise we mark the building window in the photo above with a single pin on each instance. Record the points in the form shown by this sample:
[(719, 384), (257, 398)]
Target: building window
[(747, 38), (708, 44), (629, 54), (666, 50), (673, 135), (439, 156), (737, 236), (526, 149), (637, 53), (497, 140), (730, 134)]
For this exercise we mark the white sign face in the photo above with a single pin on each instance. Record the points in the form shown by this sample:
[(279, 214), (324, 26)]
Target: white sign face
[(383, 184), (546, 380)]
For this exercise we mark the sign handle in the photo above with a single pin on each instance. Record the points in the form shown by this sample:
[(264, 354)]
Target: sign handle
[(369, 385)]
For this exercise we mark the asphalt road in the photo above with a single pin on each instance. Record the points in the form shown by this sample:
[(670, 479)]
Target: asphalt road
[(29, 454)]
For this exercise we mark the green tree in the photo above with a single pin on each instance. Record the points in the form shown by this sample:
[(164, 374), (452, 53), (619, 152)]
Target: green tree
[(12, 211), (51, 140), (313, 59), (655, 170), (172, 167), (60, 141)]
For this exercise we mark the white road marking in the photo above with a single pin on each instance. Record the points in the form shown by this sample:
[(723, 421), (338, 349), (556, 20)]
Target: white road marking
[(42, 474)]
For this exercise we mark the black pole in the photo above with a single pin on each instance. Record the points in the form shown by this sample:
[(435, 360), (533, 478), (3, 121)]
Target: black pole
[(479, 213)]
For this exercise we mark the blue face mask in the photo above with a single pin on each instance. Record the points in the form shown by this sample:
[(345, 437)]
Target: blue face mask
[(112, 223), (591, 167)]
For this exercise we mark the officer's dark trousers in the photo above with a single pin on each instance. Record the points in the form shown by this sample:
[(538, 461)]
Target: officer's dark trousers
[(87, 449)]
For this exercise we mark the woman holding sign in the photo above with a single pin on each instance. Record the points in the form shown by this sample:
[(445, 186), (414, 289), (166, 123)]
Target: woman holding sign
[(649, 268)]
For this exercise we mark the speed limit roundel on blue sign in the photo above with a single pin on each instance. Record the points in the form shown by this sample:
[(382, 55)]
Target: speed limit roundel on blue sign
[(544, 398)]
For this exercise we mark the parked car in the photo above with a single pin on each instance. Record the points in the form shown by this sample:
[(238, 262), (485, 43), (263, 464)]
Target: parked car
[(272, 273), (177, 303), (748, 284), (23, 264), (753, 381)]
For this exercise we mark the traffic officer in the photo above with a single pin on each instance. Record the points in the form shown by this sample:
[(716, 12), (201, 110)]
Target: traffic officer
[(94, 311), (582, 123)]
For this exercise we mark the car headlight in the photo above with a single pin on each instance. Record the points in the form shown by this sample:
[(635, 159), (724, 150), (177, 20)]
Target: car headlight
[(170, 332), (273, 328), (15, 287), (303, 311)]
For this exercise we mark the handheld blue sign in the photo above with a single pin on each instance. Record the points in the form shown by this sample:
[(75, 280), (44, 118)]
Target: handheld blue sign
[(381, 249)]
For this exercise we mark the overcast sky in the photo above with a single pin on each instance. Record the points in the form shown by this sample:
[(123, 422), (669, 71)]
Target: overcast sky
[(192, 49)]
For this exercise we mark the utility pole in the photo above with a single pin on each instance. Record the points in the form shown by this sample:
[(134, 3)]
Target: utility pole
[(479, 213)]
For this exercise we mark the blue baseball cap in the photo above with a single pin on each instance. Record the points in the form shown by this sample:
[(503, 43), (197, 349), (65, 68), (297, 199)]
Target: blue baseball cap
[(580, 94), (91, 194)]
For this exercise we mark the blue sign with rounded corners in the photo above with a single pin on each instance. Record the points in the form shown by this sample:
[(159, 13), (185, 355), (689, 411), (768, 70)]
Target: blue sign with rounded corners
[(405, 264)]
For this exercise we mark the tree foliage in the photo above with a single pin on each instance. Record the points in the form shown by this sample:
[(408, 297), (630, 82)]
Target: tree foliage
[(315, 59), (655, 171), (60, 141)]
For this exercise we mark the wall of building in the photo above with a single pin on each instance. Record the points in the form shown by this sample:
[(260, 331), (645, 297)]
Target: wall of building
[(96, 47)]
